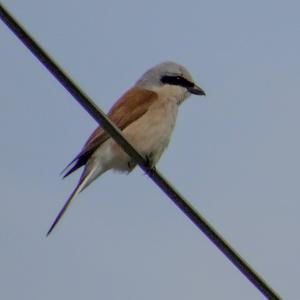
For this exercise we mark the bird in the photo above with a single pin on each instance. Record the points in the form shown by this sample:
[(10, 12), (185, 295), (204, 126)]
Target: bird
[(146, 115)]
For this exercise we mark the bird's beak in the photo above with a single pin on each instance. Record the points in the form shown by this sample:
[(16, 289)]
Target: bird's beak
[(196, 90)]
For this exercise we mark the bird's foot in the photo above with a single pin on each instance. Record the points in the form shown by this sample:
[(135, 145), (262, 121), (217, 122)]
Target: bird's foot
[(149, 163)]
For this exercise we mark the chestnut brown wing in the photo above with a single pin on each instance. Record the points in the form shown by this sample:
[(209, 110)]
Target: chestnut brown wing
[(130, 107)]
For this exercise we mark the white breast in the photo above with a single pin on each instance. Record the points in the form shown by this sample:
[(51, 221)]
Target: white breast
[(152, 132)]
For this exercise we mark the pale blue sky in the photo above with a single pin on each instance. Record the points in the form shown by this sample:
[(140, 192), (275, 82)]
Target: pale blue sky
[(234, 154)]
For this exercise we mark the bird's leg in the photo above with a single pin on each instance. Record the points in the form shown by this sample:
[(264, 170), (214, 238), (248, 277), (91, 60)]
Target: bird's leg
[(149, 162)]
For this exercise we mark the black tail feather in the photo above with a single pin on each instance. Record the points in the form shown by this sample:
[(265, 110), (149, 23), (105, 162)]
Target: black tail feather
[(79, 161)]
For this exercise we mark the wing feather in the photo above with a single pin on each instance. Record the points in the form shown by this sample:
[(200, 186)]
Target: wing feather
[(130, 107)]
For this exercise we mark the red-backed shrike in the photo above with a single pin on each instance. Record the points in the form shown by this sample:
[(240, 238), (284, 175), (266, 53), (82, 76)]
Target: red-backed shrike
[(146, 114)]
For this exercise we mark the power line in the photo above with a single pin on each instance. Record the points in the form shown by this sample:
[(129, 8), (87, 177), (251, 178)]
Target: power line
[(99, 116)]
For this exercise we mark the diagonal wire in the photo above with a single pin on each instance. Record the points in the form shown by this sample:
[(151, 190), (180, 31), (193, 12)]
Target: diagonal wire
[(99, 116)]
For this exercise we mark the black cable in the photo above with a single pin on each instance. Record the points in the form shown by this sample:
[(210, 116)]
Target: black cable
[(116, 134)]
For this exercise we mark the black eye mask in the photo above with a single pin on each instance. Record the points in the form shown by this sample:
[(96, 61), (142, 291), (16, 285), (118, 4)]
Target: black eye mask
[(177, 80)]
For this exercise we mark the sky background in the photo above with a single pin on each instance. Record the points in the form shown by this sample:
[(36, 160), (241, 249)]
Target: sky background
[(234, 154)]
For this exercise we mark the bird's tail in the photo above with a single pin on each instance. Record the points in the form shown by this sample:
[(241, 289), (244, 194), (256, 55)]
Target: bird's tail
[(83, 183)]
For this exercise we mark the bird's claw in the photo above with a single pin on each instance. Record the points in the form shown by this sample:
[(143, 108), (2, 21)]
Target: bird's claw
[(149, 164)]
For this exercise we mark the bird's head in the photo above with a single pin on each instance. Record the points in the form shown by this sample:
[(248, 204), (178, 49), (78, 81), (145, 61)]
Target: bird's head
[(171, 76)]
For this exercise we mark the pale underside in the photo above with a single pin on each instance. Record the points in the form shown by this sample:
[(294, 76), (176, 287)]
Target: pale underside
[(147, 121)]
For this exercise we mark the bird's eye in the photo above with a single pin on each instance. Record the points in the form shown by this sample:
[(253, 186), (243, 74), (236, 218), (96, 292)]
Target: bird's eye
[(176, 80)]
